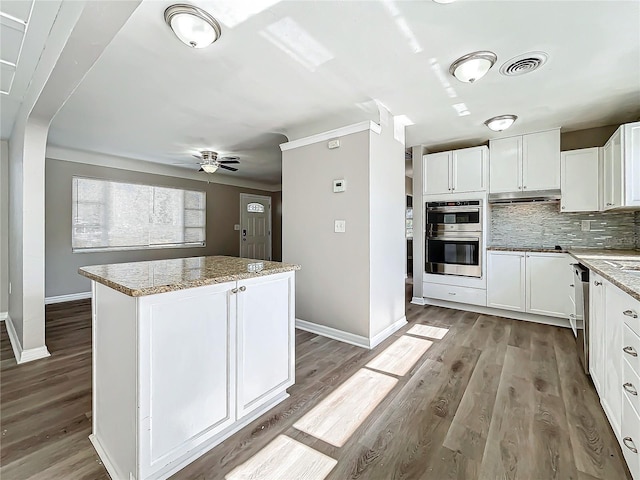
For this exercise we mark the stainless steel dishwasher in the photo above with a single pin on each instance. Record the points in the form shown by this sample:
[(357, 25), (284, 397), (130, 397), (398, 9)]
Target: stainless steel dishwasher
[(580, 318)]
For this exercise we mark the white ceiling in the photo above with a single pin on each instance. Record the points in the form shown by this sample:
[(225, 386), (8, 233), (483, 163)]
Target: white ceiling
[(289, 69)]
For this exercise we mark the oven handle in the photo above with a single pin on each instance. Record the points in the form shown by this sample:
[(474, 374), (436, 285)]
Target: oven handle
[(454, 238), (453, 209)]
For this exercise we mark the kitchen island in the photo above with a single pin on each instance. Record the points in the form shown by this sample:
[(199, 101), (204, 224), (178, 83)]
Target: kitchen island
[(185, 353)]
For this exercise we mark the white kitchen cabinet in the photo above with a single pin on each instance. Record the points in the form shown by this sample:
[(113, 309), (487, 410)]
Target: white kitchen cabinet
[(615, 305), (597, 327), (506, 280), (265, 363), (457, 171), (621, 172), (525, 163), (580, 180), (538, 283), (549, 280)]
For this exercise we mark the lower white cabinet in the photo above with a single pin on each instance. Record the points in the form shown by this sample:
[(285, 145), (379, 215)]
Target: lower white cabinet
[(538, 283), (611, 399), (455, 293), (597, 328)]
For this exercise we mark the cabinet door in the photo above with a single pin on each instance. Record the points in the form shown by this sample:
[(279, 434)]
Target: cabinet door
[(469, 170), (506, 280), (597, 332), (187, 371), (615, 303), (632, 164), (505, 166), (265, 339), (580, 180), (613, 171), (541, 160), (549, 284), (437, 173)]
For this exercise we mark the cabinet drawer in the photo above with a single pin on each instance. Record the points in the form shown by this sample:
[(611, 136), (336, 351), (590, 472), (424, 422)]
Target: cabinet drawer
[(631, 313), (452, 293), (631, 348), (631, 438), (631, 386)]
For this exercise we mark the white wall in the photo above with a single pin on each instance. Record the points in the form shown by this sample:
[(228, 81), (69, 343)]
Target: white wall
[(332, 289), (418, 224), (4, 228), (387, 203)]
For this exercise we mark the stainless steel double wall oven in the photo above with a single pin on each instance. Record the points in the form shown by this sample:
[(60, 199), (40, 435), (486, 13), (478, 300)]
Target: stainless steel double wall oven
[(453, 240)]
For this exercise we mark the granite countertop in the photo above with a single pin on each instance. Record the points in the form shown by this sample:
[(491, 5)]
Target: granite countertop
[(527, 249), (597, 261), (138, 279)]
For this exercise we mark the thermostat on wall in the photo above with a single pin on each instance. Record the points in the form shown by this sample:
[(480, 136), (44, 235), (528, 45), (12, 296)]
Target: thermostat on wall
[(339, 185)]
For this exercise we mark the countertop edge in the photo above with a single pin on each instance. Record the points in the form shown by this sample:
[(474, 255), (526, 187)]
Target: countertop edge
[(588, 262)]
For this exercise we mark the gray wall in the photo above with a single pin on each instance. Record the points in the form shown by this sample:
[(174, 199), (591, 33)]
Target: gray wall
[(4, 227), (590, 137), (542, 224), (223, 212)]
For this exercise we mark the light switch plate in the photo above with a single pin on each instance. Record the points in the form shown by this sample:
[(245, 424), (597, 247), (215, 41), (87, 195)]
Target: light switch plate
[(339, 185), (586, 225), (340, 226), (236, 226)]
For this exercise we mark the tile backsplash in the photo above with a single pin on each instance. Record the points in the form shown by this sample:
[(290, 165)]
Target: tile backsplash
[(540, 224)]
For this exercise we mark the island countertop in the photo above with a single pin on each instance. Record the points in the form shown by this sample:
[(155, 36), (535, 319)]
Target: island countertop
[(138, 279)]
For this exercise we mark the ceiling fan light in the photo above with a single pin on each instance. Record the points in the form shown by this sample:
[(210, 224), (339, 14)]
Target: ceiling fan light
[(472, 67), (209, 168), (192, 25), (501, 122)]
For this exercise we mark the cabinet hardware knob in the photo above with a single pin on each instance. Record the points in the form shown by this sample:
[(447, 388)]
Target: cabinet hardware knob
[(630, 313), (626, 441), (451, 293), (563, 207), (571, 315), (524, 186), (597, 283), (630, 351), (609, 204), (234, 290), (572, 285), (243, 288), (630, 388)]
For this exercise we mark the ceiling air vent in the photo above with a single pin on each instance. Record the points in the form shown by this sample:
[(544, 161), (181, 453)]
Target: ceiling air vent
[(525, 63)]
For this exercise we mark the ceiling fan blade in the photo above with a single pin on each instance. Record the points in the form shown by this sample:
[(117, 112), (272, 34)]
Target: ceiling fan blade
[(228, 161), (230, 158), (228, 168), (201, 169)]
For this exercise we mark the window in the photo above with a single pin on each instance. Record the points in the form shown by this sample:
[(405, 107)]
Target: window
[(119, 216), (255, 207)]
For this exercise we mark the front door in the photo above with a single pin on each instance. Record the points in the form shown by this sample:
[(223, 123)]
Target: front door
[(255, 226)]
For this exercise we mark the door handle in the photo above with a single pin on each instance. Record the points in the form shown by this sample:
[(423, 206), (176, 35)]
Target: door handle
[(234, 290), (243, 288), (627, 441), (630, 351), (630, 388), (630, 313), (597, 283)]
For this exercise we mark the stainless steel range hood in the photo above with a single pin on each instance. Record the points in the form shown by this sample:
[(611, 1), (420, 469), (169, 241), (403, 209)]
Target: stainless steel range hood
[(526, 196)]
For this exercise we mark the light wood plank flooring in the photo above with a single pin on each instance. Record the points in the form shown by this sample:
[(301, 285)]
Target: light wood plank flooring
[(490, 398)]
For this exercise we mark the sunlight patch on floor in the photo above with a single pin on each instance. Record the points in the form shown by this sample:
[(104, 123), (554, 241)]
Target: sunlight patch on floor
[(336, 417), (428, 331), (400, 356), (284, 458)]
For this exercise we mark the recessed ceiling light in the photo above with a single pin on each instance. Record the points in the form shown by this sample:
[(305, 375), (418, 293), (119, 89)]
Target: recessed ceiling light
[(473, 66), (501, 122), (192, 25)]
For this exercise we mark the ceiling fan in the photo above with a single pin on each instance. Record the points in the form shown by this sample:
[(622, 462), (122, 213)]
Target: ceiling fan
[(210, 162)]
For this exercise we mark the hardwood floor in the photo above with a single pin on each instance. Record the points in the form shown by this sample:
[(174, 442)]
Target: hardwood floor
[(490, 398)]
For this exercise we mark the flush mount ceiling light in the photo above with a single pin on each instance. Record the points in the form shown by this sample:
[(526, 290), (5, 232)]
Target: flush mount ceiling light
[(473, 66), (192, 25), (444, 1), (501, 122)]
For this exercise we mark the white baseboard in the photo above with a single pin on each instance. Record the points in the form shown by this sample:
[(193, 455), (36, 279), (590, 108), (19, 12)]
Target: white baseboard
[(3, 316), (353, 339), (67, 298), (499, 312), (387, 332), (106, 461), (418, 301), (23, 356)]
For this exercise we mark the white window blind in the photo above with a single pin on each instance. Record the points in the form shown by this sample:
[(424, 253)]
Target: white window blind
[(119, 216)]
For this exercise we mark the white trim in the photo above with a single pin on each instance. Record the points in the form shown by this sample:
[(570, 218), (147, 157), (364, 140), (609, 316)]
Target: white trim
[(353, 339), (67, 298), (499, 312), (243, 212), (104, 458), (387, 332), (338, 132), (3, 316), (23, 356), (418, 301), (144, 166)]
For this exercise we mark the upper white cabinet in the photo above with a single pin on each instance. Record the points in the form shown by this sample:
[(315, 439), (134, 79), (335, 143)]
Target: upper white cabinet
[(525, 162), (538, 283), (580, 180), (457, 171), (621, 175)]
